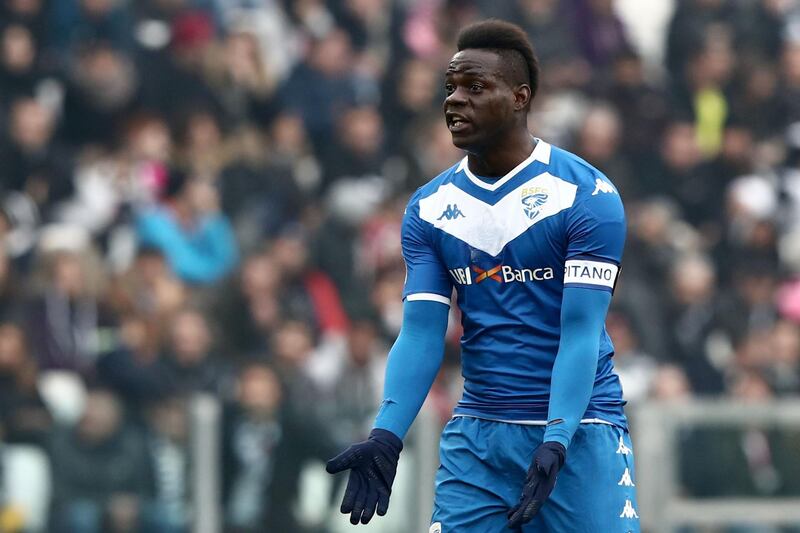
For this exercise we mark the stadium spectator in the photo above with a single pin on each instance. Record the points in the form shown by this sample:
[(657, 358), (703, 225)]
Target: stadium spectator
[(265, 445), (74, 23), (168, 448), (19, 75), (601, 34), (557, 48), (249, 311), (189, 229), (188, 363), (306, 293), (66, 318), (242, 80), (100, 470), (23, 415), (11, 293), (34, 162), (321, 87), (101, 90)]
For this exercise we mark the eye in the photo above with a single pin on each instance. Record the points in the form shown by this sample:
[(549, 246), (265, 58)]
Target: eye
[(476, 87), (449, 88)]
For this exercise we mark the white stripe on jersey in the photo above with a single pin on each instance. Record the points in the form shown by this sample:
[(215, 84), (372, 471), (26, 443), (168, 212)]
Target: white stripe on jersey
[(428, 296)]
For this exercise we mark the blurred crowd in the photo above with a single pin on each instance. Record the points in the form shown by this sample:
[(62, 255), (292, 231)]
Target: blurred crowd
[(205, 196)]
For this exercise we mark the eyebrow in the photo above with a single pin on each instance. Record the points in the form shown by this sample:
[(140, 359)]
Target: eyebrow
[(475, 71)]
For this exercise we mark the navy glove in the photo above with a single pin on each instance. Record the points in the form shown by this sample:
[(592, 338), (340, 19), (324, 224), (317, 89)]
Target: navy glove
[(372, 465), (548, 459)]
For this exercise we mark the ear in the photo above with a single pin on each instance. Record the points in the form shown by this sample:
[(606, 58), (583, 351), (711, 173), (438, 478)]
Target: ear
[(522, 96)]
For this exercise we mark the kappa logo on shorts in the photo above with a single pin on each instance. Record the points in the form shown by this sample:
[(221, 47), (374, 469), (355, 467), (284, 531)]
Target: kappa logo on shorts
[(628, 511), (626, 479), (624, 450), (436, 527)]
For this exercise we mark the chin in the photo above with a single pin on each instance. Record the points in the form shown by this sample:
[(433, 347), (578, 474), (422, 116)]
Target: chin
[(463, 142)]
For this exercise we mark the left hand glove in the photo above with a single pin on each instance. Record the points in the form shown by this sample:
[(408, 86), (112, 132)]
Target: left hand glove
[(548, 459)]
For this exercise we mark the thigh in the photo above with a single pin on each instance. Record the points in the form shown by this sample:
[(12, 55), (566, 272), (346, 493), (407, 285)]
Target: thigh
[(595, 491), (475, 482)]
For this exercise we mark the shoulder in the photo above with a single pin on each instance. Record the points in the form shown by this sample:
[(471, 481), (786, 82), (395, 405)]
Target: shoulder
[(414, 227), (595, 191), (573, 169), (433, 185)]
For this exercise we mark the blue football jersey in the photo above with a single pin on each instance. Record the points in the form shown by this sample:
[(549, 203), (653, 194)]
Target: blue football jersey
[(509, 247)]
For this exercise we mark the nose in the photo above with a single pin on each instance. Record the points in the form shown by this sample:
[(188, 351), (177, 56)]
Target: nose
[(457, 97)]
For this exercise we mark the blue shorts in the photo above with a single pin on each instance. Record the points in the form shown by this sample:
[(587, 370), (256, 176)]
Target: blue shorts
[(483, 467)]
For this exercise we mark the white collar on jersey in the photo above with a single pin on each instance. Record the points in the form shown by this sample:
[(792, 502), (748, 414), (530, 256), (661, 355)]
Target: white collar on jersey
[(541, 152)]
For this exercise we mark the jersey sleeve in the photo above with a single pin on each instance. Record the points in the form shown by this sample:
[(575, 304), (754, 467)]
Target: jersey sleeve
[(595, 238), (426, 276)]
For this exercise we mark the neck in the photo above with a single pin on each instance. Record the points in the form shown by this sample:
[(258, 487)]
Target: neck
[(502, 156)]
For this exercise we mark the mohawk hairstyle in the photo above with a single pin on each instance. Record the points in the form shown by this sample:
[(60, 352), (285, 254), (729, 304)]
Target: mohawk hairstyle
[(508, 40)]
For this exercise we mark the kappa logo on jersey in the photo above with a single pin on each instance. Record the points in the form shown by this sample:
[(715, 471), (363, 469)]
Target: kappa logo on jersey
[(626, 480), (500, 274), (451, 212), (436, 527), (602, 186), (533, 198), (628, 511)]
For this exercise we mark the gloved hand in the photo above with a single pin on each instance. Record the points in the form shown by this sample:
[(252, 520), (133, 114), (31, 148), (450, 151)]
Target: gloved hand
[(372, 465), (548, 459)]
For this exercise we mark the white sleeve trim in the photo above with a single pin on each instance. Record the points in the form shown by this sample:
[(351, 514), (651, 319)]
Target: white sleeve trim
[(428, 296), (590, 273)]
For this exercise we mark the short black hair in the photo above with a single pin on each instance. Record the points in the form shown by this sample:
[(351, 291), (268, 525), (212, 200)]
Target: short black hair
[(508, 40)]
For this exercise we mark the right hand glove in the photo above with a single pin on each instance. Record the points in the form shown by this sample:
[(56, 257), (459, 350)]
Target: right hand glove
[(548, 459), (372, 464)]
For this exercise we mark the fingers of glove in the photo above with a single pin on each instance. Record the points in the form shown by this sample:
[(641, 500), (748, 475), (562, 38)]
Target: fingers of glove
[(369, 505), (360, 501), (529, 503), (350, 492), (341, 462), (543, 487), (383, 502), (511, 511), (515, 520), (524, 513)]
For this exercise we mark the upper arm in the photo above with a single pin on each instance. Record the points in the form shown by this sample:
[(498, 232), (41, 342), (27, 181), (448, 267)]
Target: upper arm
[(426, 275), (595, 240)]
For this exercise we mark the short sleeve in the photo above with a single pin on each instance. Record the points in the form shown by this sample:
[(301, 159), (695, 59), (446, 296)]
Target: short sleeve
[(426, 276), (595, 239)]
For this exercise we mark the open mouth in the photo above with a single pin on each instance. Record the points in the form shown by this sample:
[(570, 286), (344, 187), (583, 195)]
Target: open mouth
[(457, 123)]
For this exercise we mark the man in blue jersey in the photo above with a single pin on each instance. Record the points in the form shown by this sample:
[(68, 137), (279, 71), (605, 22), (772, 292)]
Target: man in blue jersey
[(530, 237)]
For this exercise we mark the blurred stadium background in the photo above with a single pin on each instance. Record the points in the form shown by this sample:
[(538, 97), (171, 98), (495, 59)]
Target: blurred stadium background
[(200, 269)]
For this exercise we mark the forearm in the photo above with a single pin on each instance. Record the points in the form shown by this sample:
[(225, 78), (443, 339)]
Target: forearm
[(583, 313), (414, 361)]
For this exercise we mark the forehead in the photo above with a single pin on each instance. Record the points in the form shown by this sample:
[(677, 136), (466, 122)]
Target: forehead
[(475, 61)]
